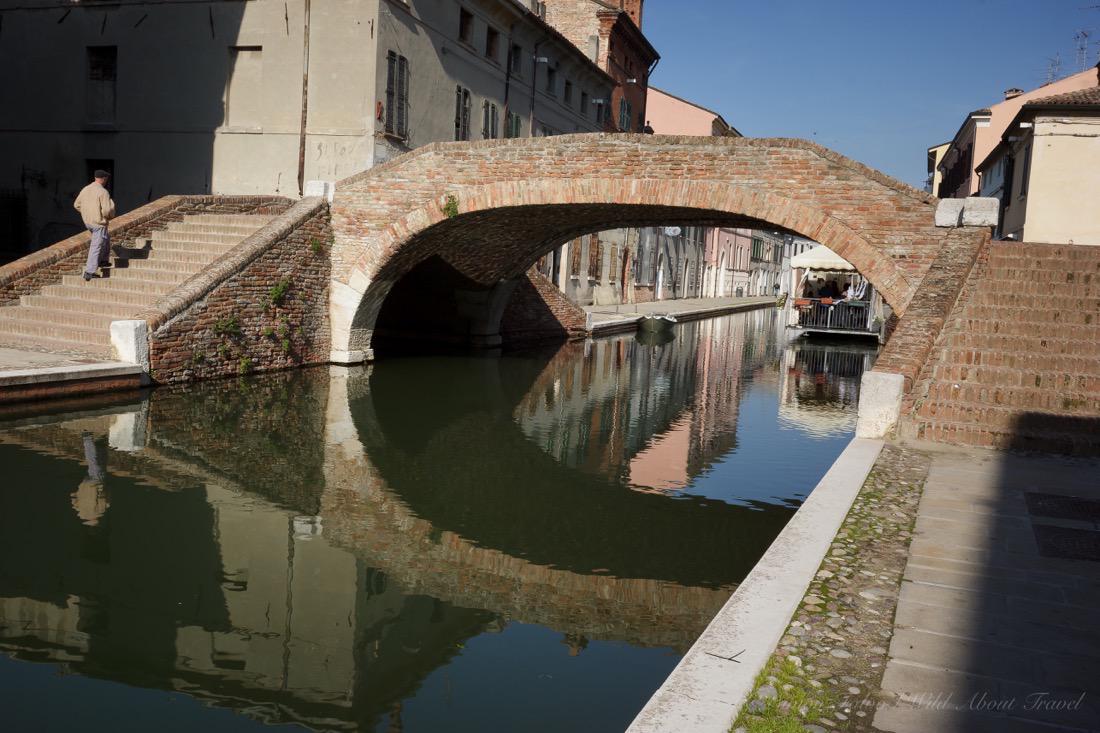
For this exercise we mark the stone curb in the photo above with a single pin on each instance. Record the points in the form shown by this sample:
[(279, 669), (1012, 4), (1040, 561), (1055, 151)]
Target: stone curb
[(630, 323), (16, 377), (713, 680)]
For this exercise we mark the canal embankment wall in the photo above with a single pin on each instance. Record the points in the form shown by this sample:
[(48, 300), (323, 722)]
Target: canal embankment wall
[(714, 679)]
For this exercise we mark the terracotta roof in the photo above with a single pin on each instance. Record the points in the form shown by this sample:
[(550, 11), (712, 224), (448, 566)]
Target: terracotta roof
[(1081, 98)]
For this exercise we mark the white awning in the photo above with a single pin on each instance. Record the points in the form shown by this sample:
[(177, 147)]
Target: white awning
[(821, 258)]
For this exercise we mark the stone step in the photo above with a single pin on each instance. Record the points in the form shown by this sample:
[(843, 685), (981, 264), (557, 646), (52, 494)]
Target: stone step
[(1030, 315), (1036, 344), (1091, 267), (211, 249), (1009, 327), (135, 284), (1080, 439), (1031, 286), (128, 274), (174, 236), (1017, 398), (190, 225), (180, 255), (1003, 277), (35, 342), (111, 305), (1029, 361), (108, 291), (253, 220), (57, 332), (1050, 300), (56, 317), (1085, 382)]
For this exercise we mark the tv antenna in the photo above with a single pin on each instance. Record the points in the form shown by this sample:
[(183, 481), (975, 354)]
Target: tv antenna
[(1054, 68), (1081, 38)]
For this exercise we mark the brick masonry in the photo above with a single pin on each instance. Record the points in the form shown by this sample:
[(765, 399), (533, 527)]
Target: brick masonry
[(491, 208), (28, 275), (263, 307), (538, 311)]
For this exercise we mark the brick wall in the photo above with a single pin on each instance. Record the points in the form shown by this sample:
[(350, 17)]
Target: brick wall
[(29, 274), (538, 311), (263, 308)]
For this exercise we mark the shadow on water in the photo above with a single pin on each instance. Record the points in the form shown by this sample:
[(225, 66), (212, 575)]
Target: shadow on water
[(418, 544)]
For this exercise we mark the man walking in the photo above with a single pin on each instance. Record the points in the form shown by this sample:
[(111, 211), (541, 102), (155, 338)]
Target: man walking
[(96, 209)]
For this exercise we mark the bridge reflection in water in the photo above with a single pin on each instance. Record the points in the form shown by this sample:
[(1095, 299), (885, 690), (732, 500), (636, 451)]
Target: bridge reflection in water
[(406, 545)]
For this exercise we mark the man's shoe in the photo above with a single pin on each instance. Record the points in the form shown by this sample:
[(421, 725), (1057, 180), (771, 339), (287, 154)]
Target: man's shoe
[(88, 277)]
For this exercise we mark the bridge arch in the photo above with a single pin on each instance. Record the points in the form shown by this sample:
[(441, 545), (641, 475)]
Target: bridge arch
[(488, 210)]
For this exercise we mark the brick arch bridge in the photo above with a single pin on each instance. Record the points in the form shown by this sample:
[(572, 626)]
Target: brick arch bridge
[(484, 212), (468, 219)]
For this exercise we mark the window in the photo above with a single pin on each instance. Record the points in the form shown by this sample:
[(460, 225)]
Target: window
[(465, 26), (584, 104), (490, 121), (462, 113), (1025, 171), (515, 59), (625, 113), (551, 79), (512, 125), (397, 95), (492, 42), (613, 270), (244, 92), (568, 96), (102, 81), (757, 248), (595, 257), (575, 258)]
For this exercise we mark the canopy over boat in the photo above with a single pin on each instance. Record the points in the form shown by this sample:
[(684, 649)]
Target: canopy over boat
[(821, 258)]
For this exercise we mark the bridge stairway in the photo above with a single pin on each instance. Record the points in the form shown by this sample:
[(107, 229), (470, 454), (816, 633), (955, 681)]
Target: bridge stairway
[(74, 316), (1018, 362)]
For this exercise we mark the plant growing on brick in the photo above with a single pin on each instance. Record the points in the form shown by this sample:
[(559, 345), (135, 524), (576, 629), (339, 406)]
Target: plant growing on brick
[(450, 207), (244, 366), (315, 245), (229, 326), (278, 291), (268, 332), (223, 350)]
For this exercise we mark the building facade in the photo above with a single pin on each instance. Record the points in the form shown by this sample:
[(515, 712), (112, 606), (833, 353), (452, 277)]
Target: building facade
[(263, 96), (1046, 171), (982, 130)]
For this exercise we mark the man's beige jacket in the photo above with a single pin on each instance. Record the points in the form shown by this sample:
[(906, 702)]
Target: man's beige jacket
[(95, 205)]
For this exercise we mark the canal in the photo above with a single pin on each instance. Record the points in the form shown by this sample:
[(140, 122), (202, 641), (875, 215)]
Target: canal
[(529, 542)]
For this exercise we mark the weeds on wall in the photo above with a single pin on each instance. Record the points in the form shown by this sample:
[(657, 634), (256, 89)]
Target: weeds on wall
[(450, 207)]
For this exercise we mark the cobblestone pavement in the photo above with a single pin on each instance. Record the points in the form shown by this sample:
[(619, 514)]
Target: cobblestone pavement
[(826, 673), (629, 310)]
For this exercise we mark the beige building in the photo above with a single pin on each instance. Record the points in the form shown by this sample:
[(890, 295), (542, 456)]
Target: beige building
[(262, 96), (982, 129), (1046, 171)]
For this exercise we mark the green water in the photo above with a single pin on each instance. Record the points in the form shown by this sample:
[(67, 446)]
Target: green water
[(457, 543)]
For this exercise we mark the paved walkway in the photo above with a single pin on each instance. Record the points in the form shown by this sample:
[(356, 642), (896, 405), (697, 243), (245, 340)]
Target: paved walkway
[(622, 317), (998, 617), (23, 359)]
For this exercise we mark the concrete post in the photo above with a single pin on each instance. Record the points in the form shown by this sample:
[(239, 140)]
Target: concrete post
[(880, 396)]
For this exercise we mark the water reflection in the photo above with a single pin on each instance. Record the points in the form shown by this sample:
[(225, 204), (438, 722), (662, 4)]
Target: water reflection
[(527, 542)]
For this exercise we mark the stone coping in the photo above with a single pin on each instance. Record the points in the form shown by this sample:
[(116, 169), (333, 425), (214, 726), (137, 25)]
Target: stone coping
[(72, 372), (706, 690), (232, 262)]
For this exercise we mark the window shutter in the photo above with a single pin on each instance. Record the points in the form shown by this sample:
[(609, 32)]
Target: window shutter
[(485, 119), (458, 113), (402, 96), (391, 72)]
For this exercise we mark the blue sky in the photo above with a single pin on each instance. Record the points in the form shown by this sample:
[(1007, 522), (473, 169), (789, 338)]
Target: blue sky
[(878, 80)]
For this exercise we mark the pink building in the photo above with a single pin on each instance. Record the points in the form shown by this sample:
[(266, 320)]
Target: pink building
[(982, 129), (726, 251)]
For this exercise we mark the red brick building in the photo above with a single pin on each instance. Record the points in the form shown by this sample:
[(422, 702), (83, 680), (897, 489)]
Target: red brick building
[(609, 32)]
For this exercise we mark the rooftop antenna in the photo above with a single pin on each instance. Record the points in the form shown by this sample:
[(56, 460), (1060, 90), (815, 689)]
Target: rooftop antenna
[(1054, 68), (1081, 38)]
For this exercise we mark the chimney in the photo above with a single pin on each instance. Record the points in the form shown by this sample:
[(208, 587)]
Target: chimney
[(1012, 93)]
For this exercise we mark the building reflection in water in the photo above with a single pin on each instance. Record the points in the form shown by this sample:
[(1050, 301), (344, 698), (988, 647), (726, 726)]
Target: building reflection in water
[(316, 547)]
